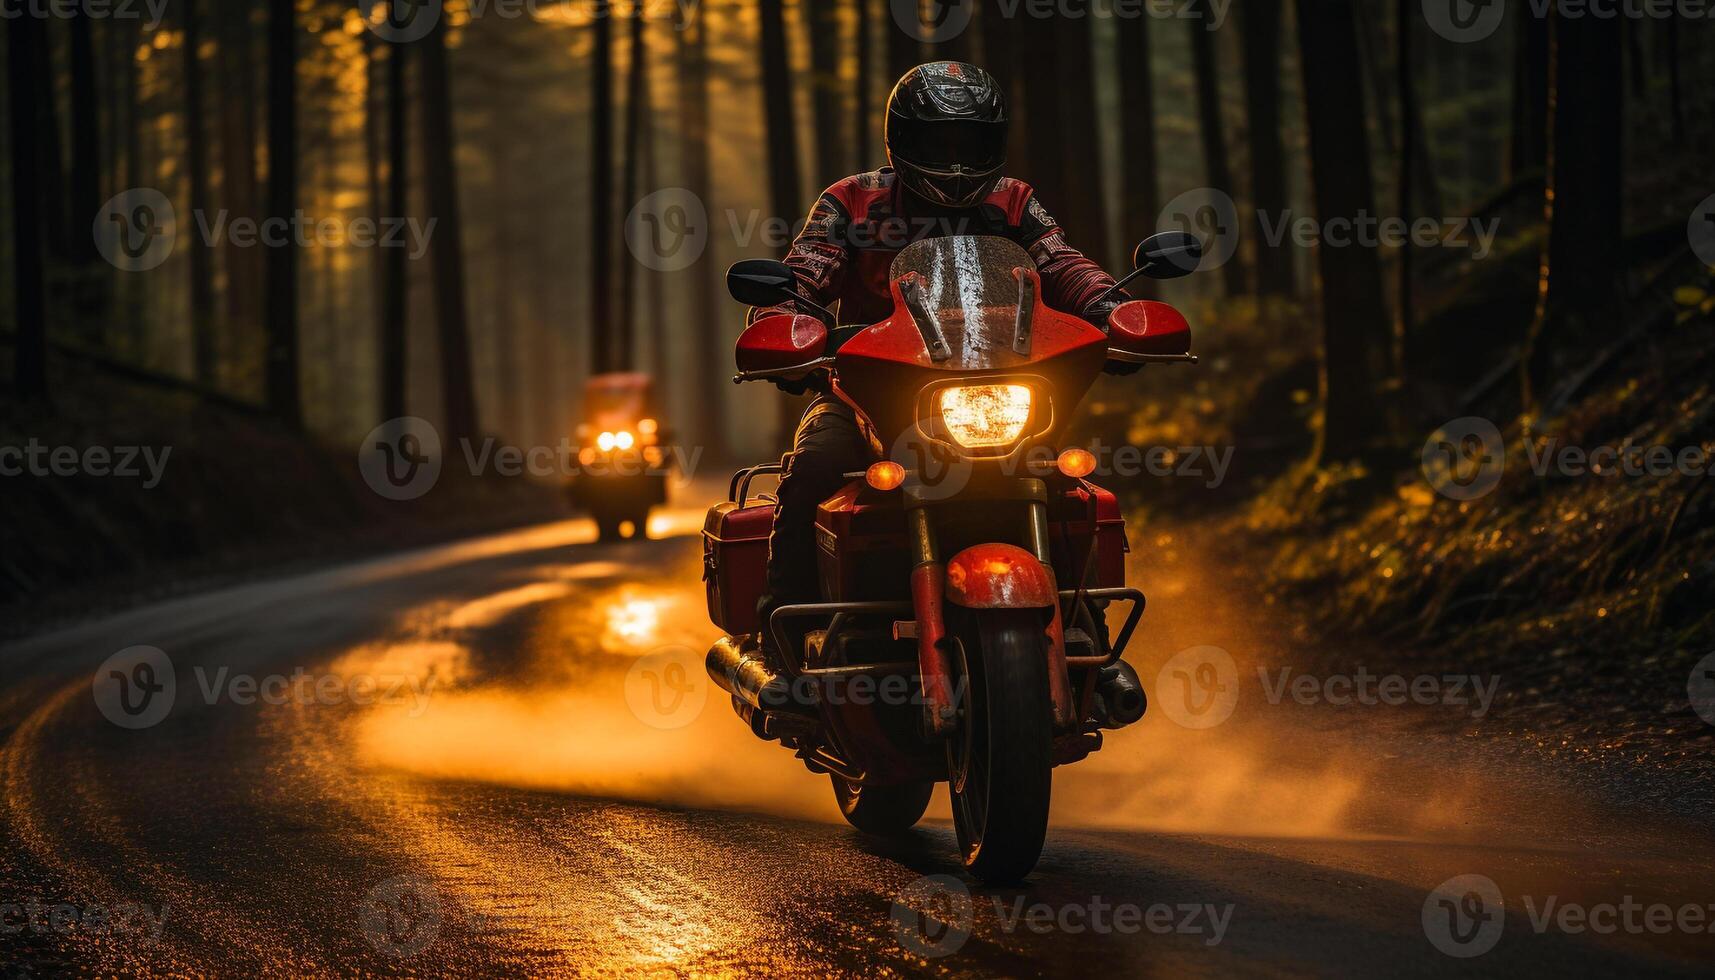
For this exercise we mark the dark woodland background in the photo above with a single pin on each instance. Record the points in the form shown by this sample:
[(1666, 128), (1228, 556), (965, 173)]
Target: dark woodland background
[(529, 140)]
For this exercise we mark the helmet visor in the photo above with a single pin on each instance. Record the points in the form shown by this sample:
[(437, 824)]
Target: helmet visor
[(949, 147)]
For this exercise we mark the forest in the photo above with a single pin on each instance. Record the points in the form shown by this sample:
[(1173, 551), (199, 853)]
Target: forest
[(256, 230)]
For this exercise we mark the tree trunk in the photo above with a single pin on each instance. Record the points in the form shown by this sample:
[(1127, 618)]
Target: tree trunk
[(1528, 149), (50, 179), (282, 266), (710, 361), (1404, 355), (863, 137), (1218, 168), (636, 114), (785, 197), (604, 353), (1140, 203), (446, 251), (86, 156), (1578, 276), (205, 354), (30, 358), (821, 21), (1354, 314), (391, 355), (238, 165), (904, 50), (1261, 25)]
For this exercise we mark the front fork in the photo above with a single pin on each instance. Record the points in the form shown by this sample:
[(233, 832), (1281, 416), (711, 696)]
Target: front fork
[(928, 597)]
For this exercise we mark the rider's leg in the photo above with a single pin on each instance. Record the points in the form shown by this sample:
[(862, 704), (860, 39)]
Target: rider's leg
[(827, 446)]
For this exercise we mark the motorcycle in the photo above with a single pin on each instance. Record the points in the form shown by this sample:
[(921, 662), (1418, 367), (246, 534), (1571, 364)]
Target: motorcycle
[(968, 574), (622, 455)]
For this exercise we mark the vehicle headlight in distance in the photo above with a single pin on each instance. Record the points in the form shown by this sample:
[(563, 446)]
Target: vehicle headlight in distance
[(985, 416)]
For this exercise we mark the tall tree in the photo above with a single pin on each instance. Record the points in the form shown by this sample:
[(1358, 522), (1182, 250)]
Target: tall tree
[(604, 353), (446, 250), (1354, 314), (694, 152), (863, 136), (1404, 67), (85, 176), (1075, 181), (1261, 23), (636, 132), (30, 358), (785, 196), (196, 153), (391, 353), (904, 48), (1578, 275), (1527, 150), (821, 22), (1140, 204), (50, 178), (284, 399), (1217, 168), (238, 163)]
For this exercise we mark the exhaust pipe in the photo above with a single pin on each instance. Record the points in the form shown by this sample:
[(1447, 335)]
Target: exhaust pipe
[(1120, 700), (738, 668)]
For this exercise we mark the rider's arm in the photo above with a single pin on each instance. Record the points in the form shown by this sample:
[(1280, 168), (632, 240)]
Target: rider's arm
[(818, 256), (1071, 281)]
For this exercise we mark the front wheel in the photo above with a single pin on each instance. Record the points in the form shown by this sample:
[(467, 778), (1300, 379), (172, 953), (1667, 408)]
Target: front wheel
[(882, 810), (1000, 760)]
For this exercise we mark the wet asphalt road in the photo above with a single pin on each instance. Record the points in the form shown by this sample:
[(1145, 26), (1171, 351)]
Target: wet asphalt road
[(454, 761)]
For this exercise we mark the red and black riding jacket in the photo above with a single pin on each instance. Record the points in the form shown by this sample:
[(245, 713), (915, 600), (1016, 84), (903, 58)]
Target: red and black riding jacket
[(848, 244)]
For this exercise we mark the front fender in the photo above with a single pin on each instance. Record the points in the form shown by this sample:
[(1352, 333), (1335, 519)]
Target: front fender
[(999, 576)]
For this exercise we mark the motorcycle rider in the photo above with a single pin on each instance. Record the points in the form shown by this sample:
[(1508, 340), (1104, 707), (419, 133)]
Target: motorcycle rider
[(946, 144)]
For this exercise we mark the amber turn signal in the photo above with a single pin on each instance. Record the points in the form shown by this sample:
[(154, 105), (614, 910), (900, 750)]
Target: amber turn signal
[(1077, 463), (885, 475)]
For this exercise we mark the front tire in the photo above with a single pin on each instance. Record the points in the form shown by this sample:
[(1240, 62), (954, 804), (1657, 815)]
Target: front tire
[(882, 810), (1000, 761)]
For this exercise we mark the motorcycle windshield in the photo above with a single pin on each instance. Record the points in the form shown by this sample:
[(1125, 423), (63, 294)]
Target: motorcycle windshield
[(963, 292)]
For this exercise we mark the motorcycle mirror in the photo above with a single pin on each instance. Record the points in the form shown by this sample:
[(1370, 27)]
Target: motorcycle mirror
[(761, 282), (1168, 255), (767, 282)]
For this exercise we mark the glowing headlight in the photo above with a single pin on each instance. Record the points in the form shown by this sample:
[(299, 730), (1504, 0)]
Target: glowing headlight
[(985, 416), (624, 440), (605, 441)]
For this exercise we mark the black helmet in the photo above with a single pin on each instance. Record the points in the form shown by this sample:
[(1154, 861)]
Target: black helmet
[(946, 132)]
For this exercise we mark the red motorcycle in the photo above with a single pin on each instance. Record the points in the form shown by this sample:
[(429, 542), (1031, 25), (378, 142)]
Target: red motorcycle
[(969, 572)]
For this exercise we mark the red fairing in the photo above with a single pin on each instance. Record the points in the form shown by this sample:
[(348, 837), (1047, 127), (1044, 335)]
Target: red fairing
[(999, 576), (781, 341), (1147, 327)]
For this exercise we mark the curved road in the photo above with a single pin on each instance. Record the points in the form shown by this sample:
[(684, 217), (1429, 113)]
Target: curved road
[(454, 761)]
